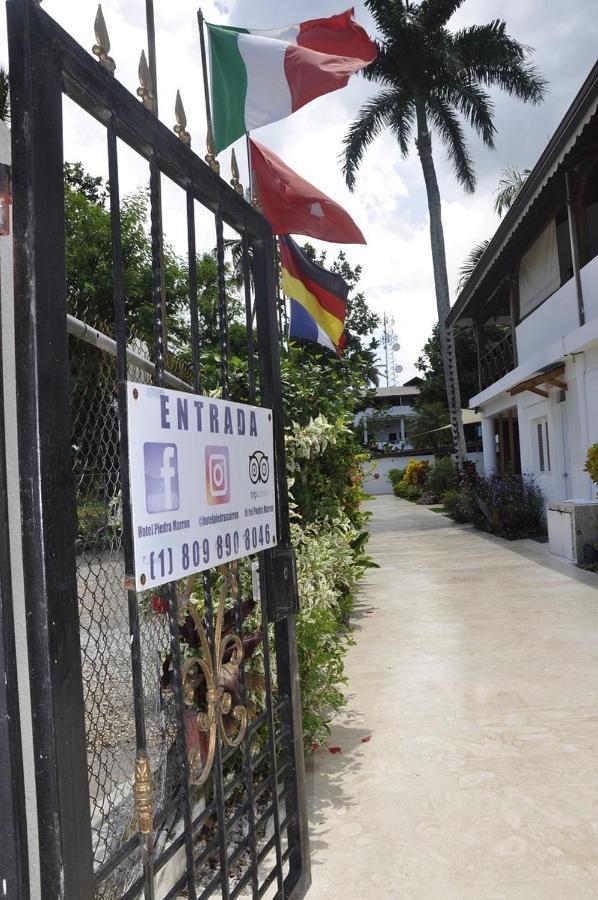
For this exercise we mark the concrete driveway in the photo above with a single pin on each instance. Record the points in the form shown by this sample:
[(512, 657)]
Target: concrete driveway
[(469, 763)]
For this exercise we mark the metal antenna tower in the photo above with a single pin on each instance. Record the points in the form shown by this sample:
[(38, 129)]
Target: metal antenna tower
[(391, 346)]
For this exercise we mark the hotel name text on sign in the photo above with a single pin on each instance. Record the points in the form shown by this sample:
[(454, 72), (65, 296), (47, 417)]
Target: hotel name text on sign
[(202, 482)]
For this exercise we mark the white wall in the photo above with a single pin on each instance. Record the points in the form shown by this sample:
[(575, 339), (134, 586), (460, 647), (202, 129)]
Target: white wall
[(380, 468), (589, 284), (554, 319), (569, 438)]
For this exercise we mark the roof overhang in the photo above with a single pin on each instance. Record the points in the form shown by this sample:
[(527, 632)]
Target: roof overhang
[(552, 377), (579, 115)]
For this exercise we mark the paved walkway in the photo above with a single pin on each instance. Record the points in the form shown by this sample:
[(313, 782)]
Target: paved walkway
[(475, 674)]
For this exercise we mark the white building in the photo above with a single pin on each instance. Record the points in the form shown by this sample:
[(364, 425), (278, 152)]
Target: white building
[(384, 423), (538, 279)]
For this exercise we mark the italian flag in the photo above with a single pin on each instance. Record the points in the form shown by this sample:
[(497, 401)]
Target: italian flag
[(258, 77)]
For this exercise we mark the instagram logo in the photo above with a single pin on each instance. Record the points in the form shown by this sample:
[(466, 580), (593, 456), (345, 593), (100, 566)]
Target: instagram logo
[(161, 477), (217, 475)]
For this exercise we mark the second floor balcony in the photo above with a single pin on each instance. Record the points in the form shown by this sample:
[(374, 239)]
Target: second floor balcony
[(497, 362)]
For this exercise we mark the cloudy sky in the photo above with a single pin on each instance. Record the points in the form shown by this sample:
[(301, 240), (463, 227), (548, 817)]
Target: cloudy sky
[(389, 203)]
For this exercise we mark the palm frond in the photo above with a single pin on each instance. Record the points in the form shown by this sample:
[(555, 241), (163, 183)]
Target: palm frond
[(489, 55), (447, 125), (386, 14), (511, 182), (401, 122), (469, 264), (4, 96), (372, 116), (474, 104), (436, 13)]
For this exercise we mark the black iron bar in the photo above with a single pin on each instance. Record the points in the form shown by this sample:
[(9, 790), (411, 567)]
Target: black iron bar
[(246, 269), (210, 888), (247, 761), (153, 69), (287, 664), (125, 480), (217, 771), (222, 309), (241, 847), (193, 298), (240, 885), (117, 858), (157, 264), (173, 619), (209, 810), (270, 716), (175, 890), (266, 883), (208, 851)]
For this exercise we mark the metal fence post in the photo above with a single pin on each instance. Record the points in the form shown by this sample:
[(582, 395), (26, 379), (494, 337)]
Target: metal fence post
[(14, 875), (299, 877), (47, 489)]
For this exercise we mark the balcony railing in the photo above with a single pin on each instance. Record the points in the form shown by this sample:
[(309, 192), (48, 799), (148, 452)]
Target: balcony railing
[(497, 362)]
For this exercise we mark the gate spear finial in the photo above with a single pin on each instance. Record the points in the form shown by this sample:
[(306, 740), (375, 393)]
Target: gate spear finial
[(181, 119), (102, 47), (145, 89)]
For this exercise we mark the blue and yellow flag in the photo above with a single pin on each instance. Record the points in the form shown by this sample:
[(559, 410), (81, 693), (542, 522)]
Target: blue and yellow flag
[(318, 298)]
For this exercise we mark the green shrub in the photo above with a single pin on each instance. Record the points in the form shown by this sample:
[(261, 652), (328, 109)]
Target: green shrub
[(395, 475), (325, 487), (591, 466), (416, 471), (441, 477), (457, 505), (406, 491), (327, 574)]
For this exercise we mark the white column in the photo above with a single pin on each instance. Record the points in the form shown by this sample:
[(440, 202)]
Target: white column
[(402, 429), (584, 424), (489, 444)]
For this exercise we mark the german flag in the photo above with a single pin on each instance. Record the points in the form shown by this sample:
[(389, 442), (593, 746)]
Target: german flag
[(318, 297)]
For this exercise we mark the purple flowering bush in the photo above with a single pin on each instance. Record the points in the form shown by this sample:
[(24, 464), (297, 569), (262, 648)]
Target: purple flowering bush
[(510, 506)]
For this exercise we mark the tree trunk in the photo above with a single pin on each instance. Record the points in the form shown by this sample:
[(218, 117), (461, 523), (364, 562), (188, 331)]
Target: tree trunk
[(447, 342)]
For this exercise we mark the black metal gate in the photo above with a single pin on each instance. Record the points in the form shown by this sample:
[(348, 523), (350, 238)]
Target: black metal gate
[(130, 803)]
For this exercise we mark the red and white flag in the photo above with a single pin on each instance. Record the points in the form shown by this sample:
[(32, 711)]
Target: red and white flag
[(294, 206)]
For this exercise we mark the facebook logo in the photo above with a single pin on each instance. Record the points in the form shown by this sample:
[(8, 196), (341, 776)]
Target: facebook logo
[(161, 477)]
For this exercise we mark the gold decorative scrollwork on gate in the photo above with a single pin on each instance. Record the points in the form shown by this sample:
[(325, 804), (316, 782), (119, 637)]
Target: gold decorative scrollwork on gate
[(220, 670)]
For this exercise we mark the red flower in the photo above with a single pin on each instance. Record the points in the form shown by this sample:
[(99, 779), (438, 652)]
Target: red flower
[(159, 604)]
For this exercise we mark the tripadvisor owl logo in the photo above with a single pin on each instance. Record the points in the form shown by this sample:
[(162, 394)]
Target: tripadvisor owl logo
[(259, 467)]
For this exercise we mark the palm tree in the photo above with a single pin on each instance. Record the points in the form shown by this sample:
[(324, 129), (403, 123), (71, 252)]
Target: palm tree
[(511, 182), (4, 97), (435, 79), (470, 262)]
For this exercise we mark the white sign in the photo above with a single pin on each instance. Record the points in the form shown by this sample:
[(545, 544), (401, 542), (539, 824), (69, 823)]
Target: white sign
[(202, 482)]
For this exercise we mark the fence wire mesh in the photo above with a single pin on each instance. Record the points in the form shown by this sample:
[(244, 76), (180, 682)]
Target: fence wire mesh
[(103, 609)]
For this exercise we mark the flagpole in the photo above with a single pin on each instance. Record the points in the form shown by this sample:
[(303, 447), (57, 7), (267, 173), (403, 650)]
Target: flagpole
[(249, 166), (210, 155)]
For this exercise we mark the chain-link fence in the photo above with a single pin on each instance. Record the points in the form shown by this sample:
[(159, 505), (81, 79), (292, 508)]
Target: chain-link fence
[(104, 614)]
